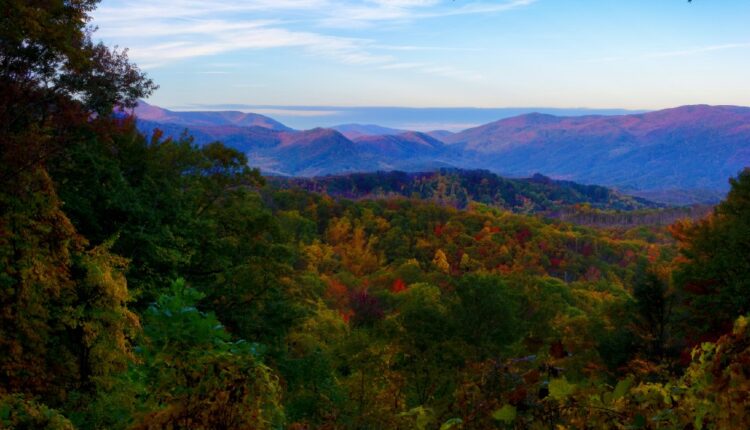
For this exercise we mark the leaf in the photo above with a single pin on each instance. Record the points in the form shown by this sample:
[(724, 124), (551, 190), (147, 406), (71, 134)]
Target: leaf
[(422, 415), (560, 388), (451, 423), (423, 419), (622, 388), (507, 414), (700, 414)]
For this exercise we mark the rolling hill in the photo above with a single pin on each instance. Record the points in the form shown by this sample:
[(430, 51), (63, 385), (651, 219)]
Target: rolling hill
[(147, 112)]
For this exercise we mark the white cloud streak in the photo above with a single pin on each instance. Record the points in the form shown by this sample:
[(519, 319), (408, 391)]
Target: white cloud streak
[(698, 50), (173, 30), (197, 44), (688, 52), (377, 11)]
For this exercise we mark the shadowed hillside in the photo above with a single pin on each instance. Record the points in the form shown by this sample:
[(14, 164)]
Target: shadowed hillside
[(460, 188)]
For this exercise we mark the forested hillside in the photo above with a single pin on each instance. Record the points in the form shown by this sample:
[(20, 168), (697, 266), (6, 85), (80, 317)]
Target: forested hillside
[(459, 188), (152, 283)]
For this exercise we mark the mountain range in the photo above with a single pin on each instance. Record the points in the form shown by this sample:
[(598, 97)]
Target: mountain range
[(678, 155)]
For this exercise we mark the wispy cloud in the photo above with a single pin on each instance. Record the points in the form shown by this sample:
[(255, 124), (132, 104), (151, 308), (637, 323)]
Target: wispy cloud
[(440, 125), (198, 42), (138, 10), (430, 69), (687, 52), (281, 111), (427, 48), (174, 30), (610, 59), (296, 112), (698, 50), (376, 11), (401, 66)]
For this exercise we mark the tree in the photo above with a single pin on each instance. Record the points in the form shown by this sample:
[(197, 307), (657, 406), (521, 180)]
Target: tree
[(714, 263), (441, 261), (486, 310), (64, 326), (16, 412), (53, 78), (172, 205), (195, 376), (654, 303), (65, 323)]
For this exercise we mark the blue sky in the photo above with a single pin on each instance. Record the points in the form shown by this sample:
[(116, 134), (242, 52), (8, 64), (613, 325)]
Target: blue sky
[(633, 54)]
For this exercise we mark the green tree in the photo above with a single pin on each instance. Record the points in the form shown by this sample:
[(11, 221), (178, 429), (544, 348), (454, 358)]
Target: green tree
[(486, 311), (17, 412), (53, 77), (194, 376), (161, 198), (714, 263), (654, 303), (65, 323), (427, 344)]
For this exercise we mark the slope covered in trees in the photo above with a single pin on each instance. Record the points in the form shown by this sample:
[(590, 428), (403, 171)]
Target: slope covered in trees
[(150, 283), (459, 188)]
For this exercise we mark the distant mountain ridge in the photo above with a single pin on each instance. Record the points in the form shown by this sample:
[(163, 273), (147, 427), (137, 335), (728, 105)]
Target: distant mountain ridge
[(690, 147), (679, 155), (304, 117), (147, 112)]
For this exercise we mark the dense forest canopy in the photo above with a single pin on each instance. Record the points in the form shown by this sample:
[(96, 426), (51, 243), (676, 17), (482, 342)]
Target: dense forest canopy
[(148, 283), (459, 188)]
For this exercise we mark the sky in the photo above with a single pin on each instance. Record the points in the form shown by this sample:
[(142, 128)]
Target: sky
[(629, 54)]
